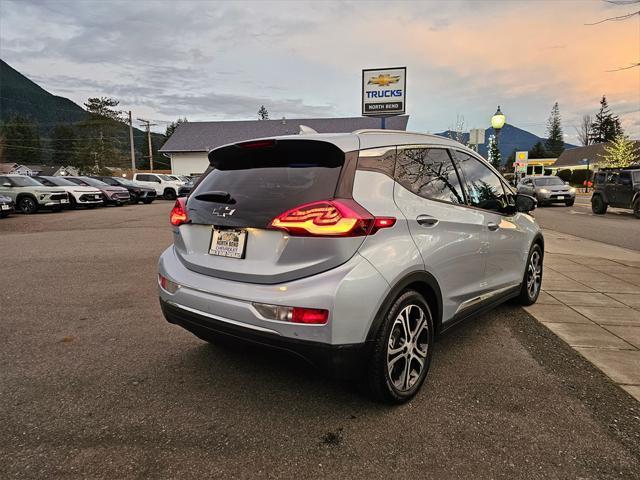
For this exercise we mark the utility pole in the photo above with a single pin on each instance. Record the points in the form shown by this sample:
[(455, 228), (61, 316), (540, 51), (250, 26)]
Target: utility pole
[(133, 153), (148, 124)]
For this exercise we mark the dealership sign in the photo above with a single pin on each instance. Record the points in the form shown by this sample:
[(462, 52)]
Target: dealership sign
[(384, 91)]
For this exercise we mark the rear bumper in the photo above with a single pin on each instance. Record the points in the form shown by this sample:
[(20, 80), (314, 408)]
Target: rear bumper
[(339, 361)]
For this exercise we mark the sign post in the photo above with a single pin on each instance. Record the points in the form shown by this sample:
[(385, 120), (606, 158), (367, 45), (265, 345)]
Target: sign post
[(520, 165), (384, 92)]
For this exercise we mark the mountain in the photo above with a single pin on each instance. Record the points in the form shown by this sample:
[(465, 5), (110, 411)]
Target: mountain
[(19, 95), (511, 138)]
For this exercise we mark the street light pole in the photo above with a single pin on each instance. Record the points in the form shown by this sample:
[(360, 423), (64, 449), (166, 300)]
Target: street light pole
[(497, 122)]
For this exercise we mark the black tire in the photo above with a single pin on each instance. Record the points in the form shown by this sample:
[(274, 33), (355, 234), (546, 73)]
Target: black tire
[(569, 203), (4, 214), (72, 202), (530, 289), (134, 199), (411, 347), (598, 206), (27, 205), (636, 208), (147, 201), (170, 194)]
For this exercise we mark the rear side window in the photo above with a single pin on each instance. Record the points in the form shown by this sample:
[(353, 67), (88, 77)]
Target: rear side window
[(600, 177), (484, 188), (636, 176), (250, 186), (429, 173)]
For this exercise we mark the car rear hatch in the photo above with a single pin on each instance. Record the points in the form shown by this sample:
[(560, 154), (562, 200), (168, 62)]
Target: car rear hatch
[(248, 186)]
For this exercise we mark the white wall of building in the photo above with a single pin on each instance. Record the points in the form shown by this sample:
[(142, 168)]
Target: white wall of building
[(189, 163)]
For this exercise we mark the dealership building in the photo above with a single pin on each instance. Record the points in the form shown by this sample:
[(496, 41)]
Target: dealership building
[(188, 146)]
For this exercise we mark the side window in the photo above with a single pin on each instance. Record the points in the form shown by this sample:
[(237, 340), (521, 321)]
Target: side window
[(142, 177), (429, 173), (381, 160), (612, 178), (153, 178), (624, 178), (484, 188), (600, 177)]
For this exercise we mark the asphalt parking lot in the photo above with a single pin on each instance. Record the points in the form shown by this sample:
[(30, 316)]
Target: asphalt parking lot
[(95, 384)]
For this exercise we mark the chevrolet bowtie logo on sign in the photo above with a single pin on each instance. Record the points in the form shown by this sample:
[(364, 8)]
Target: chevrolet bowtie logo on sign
[(384, 80), (384, 91)]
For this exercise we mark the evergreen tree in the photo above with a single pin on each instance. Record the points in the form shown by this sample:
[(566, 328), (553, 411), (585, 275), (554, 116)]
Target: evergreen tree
[(172, 127), (621, 152), (102, 139), (538, 151), (494, 152), (606, 127), (63, 145), (263, 114), (555, 139), (21, 141)]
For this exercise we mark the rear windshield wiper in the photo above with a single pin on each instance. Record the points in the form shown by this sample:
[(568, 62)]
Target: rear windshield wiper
[(217, 196)]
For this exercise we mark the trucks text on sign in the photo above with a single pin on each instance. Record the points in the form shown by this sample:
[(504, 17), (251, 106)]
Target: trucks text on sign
[(384, 91)]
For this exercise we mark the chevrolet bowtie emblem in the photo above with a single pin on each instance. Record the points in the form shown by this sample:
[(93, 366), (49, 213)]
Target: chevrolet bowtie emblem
[(384, 80), (223, 212)]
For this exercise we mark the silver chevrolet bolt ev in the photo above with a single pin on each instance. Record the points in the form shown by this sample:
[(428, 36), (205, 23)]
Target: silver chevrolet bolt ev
[(352, 251)]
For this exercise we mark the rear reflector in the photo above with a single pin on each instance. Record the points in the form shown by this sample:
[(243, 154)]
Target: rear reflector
[(167, 284), (309, 316), (330, 218), (178, 214)]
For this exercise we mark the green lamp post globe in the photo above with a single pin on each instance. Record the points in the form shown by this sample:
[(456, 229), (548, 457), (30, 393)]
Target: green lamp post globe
[(498, 120)]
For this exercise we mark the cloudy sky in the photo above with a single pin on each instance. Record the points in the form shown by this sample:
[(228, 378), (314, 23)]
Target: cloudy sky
[(211, 60)]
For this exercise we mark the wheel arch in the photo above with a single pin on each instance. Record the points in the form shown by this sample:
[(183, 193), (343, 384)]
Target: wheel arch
[(26, 194), (422, 282)]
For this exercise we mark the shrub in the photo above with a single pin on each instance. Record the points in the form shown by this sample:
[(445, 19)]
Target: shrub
[(565, 175)]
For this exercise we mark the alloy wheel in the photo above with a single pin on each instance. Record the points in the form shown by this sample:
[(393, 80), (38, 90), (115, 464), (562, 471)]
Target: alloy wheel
[(27, 205), (407, 347), (534, 274)]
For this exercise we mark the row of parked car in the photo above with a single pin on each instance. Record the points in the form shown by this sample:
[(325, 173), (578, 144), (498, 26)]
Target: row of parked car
[(29, 194)]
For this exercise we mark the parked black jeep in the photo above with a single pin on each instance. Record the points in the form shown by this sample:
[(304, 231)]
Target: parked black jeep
[(616, 187)]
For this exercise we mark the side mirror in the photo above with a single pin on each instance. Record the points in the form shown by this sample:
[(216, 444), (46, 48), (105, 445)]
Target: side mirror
[(525, 203), (566, 183)]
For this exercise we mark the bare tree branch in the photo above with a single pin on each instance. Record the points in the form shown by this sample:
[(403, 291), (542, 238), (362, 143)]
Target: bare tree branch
[(615, 19), (633, 65)]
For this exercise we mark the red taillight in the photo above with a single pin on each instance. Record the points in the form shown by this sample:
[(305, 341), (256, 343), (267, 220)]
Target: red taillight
[(309, 315), (257, 144), (330, 218), (178, 214)]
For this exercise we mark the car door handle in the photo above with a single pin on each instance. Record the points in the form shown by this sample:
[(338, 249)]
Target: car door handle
[(492, 226), (426, 220)]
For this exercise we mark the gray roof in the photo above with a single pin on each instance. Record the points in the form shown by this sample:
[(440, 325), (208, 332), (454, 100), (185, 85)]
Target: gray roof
[(573, 157), (203, 136)]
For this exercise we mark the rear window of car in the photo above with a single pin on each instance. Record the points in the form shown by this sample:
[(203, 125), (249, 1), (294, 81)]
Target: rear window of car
[(636, 176), (260, 183)]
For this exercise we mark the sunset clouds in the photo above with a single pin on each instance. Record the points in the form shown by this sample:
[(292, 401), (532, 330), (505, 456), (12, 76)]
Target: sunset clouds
[(209, 60)]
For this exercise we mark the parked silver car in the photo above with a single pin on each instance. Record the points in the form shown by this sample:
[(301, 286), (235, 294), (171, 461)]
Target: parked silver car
[(547, 190), (352, 251)]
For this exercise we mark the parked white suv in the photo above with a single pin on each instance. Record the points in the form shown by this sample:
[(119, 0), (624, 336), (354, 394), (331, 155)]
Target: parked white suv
[(351, 250), (79, 196), (164, 185)]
